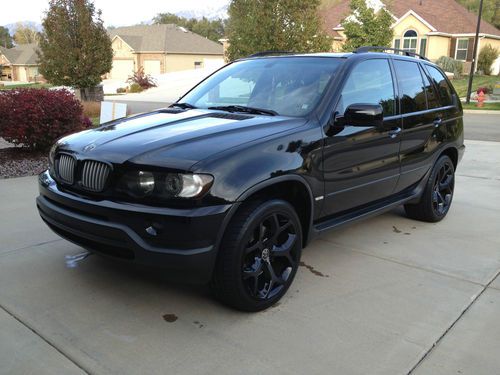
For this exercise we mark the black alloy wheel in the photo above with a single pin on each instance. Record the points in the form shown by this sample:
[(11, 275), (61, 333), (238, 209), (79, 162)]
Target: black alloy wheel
[(443, 189), (270, 256), (437, 196), (259, 255)]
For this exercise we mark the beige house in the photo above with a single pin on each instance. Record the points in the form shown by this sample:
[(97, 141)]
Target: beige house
[(160, 49), (432, 28), (20, 63)]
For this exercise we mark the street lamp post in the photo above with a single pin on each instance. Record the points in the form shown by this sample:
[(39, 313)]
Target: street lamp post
[(474, 62)]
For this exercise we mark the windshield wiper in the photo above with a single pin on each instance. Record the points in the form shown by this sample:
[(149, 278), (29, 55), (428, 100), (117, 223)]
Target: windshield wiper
[(245, 109), (183, 105)]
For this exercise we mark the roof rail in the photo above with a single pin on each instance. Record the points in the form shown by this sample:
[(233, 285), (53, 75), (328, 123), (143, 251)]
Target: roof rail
[(383, 49), (271, 53)]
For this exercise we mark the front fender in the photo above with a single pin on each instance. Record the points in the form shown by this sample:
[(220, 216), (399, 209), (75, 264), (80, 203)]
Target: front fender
[(239, 170)]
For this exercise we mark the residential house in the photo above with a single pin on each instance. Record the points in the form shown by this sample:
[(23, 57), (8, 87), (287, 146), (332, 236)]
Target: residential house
[(160, 49), (20, 63), (432, 28)]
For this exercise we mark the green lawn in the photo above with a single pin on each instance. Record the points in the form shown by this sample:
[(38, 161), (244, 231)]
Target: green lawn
[(26, 86), (487, 106), (479, 81)]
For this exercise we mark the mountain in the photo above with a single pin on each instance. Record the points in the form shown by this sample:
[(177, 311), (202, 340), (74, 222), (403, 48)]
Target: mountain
[(212, 13)]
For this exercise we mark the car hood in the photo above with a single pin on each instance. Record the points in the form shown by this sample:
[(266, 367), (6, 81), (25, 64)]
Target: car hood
[(171, 138)]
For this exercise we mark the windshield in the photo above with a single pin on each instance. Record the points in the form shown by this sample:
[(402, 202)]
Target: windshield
[(289, 86)]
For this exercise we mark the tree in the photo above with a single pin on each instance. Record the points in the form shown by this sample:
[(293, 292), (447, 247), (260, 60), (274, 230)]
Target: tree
[(25, 34), (365, 27), (211, 29), (5, 38), (75, 49), (491, 10), (495, 19), (287, 25)]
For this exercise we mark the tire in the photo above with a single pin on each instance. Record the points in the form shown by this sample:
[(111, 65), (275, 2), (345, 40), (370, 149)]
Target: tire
[(259, 256), (438, 193)]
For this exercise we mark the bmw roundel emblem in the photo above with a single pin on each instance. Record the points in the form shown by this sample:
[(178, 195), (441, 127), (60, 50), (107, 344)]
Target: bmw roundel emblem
[(89, 147)]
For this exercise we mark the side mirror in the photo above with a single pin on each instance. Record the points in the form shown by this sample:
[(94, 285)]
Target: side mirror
[(364, 115)]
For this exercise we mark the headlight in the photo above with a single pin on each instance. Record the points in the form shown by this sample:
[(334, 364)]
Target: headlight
[(139, 184), (165, 185), (187, 185)]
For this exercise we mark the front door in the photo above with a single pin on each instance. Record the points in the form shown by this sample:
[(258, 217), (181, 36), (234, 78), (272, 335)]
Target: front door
[(361, 164)]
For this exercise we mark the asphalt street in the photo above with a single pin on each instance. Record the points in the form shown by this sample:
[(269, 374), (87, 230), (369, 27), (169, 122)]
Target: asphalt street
[(482, 127)]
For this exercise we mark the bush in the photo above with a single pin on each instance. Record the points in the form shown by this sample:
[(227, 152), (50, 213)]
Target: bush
[(142, 79), (487, 57), (135, 88), (451, 66), (36, 118), (121, 90)]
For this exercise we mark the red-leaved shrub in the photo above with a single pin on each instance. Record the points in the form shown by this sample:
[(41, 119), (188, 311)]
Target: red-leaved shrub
[(36, 118), (142, 79)]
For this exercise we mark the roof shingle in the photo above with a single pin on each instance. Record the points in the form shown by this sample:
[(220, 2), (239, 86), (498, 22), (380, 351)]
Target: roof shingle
[(167, 38), (446, 16), (23, 54)]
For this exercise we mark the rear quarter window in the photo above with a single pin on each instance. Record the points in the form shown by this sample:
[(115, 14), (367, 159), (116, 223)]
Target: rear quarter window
[(444, 89)]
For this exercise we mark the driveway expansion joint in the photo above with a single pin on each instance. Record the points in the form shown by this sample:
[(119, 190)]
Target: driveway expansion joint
[(44, 339), (438, 341), (7, 252)]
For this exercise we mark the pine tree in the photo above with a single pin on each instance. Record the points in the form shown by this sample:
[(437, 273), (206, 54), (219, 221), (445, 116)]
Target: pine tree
[(279, 25), (366, 27), (75, 49), (5, 38)]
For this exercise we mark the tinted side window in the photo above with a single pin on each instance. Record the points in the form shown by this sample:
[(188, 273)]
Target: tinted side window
[(370, 82), (442, 84), (432, 97), (411, 86)]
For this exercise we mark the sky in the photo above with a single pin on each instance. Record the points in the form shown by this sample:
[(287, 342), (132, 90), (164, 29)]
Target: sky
[(114, 12)]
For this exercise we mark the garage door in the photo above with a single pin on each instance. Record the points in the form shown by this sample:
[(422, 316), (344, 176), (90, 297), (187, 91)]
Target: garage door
[(122, 69), (152, 67)]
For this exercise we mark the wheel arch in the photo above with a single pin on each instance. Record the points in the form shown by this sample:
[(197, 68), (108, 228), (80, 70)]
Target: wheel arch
[(291, 188), (452, 153)]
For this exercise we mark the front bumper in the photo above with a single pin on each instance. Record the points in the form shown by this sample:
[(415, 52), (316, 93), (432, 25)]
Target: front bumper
[(184, 241)]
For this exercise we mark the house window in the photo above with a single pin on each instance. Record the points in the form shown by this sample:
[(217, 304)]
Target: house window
[(410, 41), (397, 43), (197, 64), (423, 46), (462, 47)]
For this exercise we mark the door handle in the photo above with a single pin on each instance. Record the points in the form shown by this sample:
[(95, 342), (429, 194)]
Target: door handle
[(438, 122), (393, 133)]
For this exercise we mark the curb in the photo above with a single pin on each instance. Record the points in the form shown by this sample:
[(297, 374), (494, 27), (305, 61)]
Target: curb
[(482, 111)]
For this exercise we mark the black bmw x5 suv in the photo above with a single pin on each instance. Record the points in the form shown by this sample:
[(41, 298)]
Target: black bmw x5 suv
[(229, 184)]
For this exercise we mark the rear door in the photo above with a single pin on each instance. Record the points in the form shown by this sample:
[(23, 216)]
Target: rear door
[(361, 164), (422, 117)]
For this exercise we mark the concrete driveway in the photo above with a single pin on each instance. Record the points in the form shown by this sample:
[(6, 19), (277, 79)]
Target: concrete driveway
[(385, 296)]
